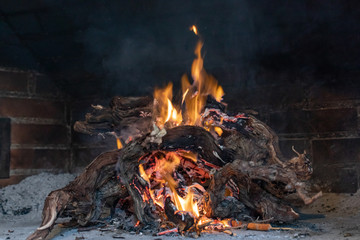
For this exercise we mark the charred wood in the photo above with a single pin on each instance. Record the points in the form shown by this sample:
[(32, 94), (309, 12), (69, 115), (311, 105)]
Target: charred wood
[(84, 198), (183, 220)]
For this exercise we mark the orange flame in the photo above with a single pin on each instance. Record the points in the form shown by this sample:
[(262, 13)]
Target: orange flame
[(194, 29), (118, 143), (163, 107), (203, 85), (218, 130), (163, 169), (193, 95)]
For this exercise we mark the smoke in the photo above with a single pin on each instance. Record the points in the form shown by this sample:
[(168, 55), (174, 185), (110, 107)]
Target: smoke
[(136, 45)]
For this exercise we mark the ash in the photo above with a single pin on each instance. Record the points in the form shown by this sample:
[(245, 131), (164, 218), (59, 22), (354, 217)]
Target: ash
[(27, 197)]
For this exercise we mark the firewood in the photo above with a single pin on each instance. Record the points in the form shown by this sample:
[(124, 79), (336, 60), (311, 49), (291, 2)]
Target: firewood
[(243, 157), (184, 220), (84, 198)]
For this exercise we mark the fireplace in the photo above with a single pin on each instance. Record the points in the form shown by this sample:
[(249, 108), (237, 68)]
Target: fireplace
[(65, 74)]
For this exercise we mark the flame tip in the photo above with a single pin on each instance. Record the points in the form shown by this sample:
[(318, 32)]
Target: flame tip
[(194, 29)]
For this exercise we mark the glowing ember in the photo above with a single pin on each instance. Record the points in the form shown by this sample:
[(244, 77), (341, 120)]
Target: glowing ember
[(159, 169), (162, 172)]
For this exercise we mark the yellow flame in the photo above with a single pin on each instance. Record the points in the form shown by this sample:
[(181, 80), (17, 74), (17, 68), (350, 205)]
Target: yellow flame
[(218, 130), (186, 204), (163, 107), (164, 167), (143, 173), (193, 95), (194, 29), (118, 143)]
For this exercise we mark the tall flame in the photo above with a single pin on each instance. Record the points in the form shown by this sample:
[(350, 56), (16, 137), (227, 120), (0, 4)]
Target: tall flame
[(193, 95)]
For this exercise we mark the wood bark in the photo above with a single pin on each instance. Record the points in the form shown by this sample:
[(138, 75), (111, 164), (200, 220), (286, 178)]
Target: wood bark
[(245, 157)]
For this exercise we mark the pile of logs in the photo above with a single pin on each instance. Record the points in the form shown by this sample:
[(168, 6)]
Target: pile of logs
[(244, 159)]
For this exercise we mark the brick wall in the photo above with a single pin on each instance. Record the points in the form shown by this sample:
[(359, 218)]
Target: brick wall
[(40, 134), (327, 127)]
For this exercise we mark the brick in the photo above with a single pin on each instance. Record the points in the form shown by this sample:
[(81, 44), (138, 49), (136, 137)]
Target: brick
[(336, 93), (82, 157), (344, 152), (4, 147), (46, 87), (39, 158), (337, 180), (316, 121), (38, 134), (14, 107), (12, 81)]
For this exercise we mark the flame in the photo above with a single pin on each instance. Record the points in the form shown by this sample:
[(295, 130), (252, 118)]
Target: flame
[(163, 107), (193, 95), (203, 85), (218, 130), (137, 224), (118, 143), (187, 112), (162, 172), (186, 204), (194, 29)]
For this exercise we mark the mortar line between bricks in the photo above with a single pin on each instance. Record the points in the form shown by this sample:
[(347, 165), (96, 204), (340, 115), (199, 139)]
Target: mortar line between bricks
[(40, 146)]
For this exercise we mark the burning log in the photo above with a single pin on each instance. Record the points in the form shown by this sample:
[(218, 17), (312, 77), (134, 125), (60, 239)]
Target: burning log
[(84, 198), (180, 171), (184, 220), (259, 182)]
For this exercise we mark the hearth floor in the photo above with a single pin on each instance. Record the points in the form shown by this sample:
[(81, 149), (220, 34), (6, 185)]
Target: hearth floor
[(333, 216), (330, 227)]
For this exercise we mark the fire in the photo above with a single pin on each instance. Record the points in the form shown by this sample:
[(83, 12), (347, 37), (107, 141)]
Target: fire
[(194, 95), (159, 169), (194, 29), (118, 143), (163, 107), (162, 172), (218, 130)]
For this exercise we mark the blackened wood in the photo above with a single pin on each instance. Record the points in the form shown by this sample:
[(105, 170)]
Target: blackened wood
[(127, 116), (263, 200), (196, 140), (183, 220), (128, 170), (84, 198)]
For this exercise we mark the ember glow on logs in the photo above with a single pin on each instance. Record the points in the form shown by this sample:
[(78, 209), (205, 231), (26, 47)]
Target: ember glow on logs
[(189, 167), (165, 183)]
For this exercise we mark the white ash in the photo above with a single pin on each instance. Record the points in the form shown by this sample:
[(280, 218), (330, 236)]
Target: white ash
[(28, 196)]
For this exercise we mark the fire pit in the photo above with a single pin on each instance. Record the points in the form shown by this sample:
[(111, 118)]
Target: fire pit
[(184, 164)]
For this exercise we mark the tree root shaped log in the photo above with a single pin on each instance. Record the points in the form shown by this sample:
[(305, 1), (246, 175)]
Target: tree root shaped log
[(84, 198)]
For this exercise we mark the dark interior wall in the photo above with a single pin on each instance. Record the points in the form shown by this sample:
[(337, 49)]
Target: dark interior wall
[(38, 131), (295, 62)]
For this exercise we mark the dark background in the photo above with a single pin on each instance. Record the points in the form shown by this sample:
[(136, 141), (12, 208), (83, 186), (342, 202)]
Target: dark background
[(295, 62)]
